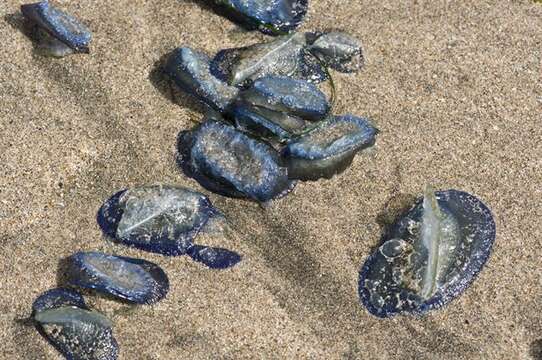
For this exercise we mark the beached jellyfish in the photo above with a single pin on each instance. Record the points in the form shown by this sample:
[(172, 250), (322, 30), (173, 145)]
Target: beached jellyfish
[(293, 97), (328, 148), (337, 50), (164, 219), (265, 123), (78, 333), (429, 256), (134, 280), (230, 163), (190, 69), (159, 218), (285, 56), (59, 33), (269, 16)]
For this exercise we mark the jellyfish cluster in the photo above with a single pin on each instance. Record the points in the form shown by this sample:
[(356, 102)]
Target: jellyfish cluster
[(267, 125)]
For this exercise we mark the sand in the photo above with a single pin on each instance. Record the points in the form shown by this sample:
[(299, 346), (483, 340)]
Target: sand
[(454, 86)]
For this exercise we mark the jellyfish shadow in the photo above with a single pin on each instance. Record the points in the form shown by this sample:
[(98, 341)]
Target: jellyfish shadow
[(536, 349), (28, 28)]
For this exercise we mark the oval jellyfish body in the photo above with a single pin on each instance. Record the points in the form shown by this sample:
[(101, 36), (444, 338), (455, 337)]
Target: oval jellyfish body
[(284, 56), (269, 16), (157, 218), (430, 255), (228, 162), (290, 96), (134, 280), (329, 148), (62, 317)]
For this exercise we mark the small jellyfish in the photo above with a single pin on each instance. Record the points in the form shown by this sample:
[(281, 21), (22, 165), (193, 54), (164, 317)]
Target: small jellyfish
[(290, 96), (59, 33), (190, 69), (162, 218), (328, 148), (265, 123), (337, 50), (284, 56), (230, 163), (77, 332), (269, 16), (430, 255), (134, 280)]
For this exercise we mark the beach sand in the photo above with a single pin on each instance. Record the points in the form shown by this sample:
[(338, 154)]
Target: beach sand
[(455, 88)]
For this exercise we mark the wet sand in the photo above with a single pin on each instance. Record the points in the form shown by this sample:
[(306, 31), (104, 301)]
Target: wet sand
[(454, 87)]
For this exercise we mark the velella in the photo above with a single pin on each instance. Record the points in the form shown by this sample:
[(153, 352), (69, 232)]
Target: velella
[(290, 96), (190, 69), (337, 50), (134, 280), (328, 148), (78, 333), (226, 161), (284, 56), (269, 16), (265, 123), (161, 218), (61, 34), (429, 256)]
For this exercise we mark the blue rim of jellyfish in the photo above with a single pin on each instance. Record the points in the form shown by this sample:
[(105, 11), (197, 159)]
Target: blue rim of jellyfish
[(226, 184), (471, 272), (220, 258), (267, 25), (51, 20), (154, 291), (54, 298), (110, 214)]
